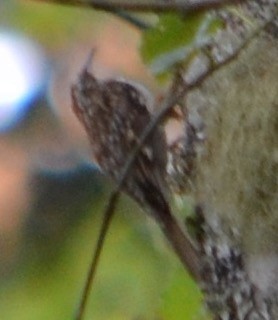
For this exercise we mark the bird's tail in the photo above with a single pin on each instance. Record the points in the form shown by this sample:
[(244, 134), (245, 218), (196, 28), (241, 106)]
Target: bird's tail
[(178, 238), (180, 241)]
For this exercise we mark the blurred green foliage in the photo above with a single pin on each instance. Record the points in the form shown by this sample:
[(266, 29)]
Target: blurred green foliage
[(132, 276), (138, 277)]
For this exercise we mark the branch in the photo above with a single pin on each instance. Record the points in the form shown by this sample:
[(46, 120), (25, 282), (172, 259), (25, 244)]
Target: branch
[(171, 100), (151, 6), (107, 218)]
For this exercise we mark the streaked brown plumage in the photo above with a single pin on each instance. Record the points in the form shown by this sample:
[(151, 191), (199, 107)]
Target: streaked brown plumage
[(114, 114)]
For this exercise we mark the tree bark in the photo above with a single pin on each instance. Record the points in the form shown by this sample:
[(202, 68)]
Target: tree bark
[(237, 183)]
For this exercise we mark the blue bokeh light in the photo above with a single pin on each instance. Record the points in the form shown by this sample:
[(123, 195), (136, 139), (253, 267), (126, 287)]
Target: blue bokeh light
[(22, 76)]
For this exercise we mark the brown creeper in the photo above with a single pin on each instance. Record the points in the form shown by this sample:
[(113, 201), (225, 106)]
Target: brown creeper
[(114, 114)]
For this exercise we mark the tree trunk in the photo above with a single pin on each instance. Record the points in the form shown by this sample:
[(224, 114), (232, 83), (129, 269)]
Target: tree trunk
[(237, 183)]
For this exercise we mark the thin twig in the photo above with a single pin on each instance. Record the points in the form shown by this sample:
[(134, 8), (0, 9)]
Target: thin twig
[(107, 218), (170, 101), (167, 104), (151, 6)]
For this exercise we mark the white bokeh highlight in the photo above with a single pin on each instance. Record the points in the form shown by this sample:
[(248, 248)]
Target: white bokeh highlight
[(22, 75)]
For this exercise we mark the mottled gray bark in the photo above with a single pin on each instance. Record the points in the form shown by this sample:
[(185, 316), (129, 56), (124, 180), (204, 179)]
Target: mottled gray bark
[(236, 187)]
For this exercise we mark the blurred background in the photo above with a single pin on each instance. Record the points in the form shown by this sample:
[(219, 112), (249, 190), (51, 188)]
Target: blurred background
[(52, 196)]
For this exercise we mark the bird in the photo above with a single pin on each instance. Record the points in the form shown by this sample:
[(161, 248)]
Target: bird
[(114, 114)]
